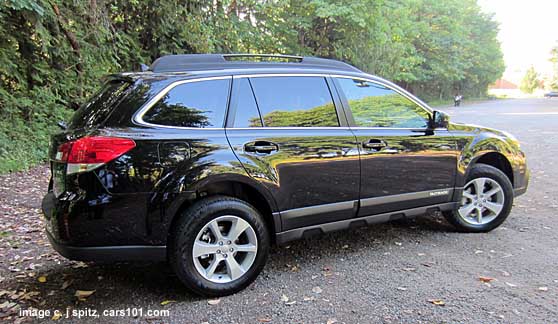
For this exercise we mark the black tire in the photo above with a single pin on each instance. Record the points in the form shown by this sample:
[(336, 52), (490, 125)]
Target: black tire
[(486, 171), (192, 221)]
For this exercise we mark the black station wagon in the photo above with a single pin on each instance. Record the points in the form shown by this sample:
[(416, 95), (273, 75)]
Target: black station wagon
[(207, 160)]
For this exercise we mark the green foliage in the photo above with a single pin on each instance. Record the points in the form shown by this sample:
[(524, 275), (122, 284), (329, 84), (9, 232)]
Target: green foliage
[(391, 110), (322, 116), (53, 52), (530, 81), (552, 84)]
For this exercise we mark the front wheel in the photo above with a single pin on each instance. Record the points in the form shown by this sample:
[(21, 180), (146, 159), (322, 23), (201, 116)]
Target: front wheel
[(486, 201), (219, 246)]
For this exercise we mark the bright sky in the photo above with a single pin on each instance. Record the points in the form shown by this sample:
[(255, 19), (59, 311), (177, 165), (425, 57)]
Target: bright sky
[(528, 31)]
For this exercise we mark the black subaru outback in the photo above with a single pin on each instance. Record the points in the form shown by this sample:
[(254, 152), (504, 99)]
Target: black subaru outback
[(206, 160)]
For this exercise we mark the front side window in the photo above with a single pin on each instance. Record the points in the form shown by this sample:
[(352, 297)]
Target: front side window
[(374, 105), (195, 104), (294, 101)]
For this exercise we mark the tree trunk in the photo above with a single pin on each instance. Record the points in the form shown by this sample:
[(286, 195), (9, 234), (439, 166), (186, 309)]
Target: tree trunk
[(71, 37)]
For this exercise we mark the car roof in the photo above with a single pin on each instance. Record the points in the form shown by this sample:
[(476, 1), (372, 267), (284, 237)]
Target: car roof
[(236, 62)]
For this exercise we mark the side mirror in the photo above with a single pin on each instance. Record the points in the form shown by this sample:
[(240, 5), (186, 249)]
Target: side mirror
[(439, 120)]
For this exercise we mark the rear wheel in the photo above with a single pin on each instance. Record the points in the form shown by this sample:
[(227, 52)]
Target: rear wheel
[(219, 246), (486, 201)]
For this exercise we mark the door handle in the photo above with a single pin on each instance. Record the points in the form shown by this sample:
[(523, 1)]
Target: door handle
[(375, 144), (261, 147)]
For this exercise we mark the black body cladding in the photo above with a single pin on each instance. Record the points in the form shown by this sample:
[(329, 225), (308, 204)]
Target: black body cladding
[(302, 158)]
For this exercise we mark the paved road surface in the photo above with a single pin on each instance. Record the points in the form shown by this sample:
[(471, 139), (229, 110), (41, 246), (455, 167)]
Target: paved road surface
[(388, 273)]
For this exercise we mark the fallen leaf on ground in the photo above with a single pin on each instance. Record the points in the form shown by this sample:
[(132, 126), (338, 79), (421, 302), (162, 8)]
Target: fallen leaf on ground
[(409, 269), (166, 302), (264, 319), (214, 301), (317, 290), (401, 288), (80, 264), (284, 298), (543, 288), (56, 316), (42, 279), (510, 284), (66, 284), (83, 294), (331, 321), (485, 279), (437, 302)]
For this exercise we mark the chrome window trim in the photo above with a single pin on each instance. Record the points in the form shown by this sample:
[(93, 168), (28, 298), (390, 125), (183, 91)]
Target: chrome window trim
[(138, 116), (379, 82), (267, 75), (391, 87), (328, 128)]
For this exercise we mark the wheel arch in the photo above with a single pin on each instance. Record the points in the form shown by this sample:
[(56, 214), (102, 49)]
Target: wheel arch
[(232, 185), (497, 160)]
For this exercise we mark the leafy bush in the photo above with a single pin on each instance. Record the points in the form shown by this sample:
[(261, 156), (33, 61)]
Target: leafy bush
[(53, 52)]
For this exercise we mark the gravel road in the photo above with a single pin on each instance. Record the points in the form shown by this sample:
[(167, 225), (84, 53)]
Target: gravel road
[(417, 272)]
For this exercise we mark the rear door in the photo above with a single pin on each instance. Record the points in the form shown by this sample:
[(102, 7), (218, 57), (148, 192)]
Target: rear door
[(290, 134), (405, 164)]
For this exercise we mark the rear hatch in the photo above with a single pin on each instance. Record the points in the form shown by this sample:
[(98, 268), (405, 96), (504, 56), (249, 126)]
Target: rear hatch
[(86, 120)]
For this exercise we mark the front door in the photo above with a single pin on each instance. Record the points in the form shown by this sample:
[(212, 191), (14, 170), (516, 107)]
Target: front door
[(404, 163), (290, 134)]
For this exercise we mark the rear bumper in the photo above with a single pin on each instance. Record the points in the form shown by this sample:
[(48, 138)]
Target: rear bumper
[(57, 229), (110, 253)]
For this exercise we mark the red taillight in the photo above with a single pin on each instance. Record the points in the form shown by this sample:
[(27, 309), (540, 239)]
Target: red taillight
[(90, 152), (64, 151)]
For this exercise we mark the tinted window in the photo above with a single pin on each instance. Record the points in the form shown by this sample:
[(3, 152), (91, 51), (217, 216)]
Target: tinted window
[(294, 102), (247, 114), (99, 107), (373, 105), (194, 104)]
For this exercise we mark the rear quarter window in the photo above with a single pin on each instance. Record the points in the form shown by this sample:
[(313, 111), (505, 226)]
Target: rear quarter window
[(200, 104)]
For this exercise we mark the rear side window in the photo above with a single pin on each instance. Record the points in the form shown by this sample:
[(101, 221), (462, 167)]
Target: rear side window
[(294, 102), (247, 114), (195, 104), (98, 108)]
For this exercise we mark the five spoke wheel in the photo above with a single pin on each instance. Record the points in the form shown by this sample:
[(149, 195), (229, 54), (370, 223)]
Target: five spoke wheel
[(482, 202), (224, 249)]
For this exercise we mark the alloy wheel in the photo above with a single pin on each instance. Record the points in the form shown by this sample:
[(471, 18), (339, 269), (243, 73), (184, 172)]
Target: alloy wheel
[(483, 200), (225, 249)]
